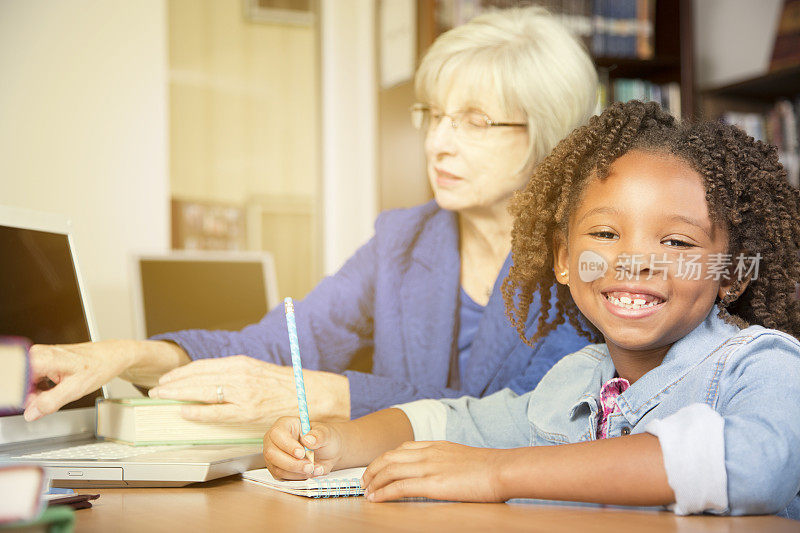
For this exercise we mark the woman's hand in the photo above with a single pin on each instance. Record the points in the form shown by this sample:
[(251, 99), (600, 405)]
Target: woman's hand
[(252, 391), (437, 470), (286, 457), (78, 369)]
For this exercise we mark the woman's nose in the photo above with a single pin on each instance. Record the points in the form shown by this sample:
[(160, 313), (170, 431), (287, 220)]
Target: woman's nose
[(441, 137)]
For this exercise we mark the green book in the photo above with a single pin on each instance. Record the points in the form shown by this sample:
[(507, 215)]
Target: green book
[(56, 519), (148, 422)]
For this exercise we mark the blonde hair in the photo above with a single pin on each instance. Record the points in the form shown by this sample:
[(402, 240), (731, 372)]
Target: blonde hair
[(532, 63)]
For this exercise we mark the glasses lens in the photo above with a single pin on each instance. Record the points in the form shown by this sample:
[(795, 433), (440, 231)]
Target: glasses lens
[(473, 125), (420, 117)]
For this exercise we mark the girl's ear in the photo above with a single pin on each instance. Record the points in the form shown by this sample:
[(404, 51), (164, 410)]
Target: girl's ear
[(730, 287), (560, 257)]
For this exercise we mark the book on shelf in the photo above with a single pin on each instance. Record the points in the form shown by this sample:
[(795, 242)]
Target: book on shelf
[(147, 422), (609, 28), (15, 379), (786, 49), (21, 487), (623, 28), (668, 95), (779, 126)]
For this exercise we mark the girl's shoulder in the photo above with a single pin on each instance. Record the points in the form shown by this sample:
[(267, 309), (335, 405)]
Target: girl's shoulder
[(758, 338), (758, 350)]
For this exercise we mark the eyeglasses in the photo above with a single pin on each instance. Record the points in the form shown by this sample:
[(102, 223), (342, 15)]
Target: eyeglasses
[(470, 124)]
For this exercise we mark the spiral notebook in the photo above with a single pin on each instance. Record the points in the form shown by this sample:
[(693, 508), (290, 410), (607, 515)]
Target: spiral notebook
[(345, 482)]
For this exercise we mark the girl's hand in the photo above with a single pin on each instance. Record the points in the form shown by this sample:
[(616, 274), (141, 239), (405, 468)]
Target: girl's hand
[(286, 457), (252, 391), (437, 470)]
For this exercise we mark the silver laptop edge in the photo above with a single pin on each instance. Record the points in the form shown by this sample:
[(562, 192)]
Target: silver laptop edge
[(173, 467)]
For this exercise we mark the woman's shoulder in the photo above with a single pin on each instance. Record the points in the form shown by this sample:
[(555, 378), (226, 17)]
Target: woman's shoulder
[(402, 228), (411, 217)]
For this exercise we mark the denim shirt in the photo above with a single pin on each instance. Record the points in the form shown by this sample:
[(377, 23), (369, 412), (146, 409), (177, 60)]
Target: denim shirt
[(750, 377)]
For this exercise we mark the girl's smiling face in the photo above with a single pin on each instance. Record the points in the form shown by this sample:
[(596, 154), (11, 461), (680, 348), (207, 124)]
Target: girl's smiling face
[(650, 203)]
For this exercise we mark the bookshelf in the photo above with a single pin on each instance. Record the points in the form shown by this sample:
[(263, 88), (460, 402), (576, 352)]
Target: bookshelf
[(672, 42), (760, 105)]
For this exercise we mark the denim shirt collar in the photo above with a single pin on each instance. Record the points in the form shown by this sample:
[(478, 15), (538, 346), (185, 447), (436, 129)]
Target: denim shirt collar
[(647, 391)]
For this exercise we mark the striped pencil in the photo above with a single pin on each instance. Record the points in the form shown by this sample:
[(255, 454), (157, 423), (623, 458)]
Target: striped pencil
[(297, 367)]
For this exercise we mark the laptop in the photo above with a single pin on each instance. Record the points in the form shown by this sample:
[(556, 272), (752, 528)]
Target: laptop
[(201, 290), (43, 298)]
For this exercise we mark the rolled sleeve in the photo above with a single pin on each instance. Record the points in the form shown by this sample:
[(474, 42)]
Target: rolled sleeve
[(762, 424), (693, 446), (428, 418)]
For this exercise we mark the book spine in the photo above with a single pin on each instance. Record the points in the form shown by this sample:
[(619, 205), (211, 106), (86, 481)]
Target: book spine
[(599, 22), (645, 23), (18, 376)]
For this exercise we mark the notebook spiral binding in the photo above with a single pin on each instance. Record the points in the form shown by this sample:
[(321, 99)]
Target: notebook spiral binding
[(342, 487)]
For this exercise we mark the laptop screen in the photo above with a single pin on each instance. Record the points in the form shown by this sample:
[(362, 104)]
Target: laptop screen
[(39, 293), (193, 293)]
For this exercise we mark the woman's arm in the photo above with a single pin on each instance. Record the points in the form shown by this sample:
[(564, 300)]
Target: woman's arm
[(620, 471)]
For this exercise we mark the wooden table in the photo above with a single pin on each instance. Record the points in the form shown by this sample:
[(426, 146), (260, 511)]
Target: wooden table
[(231, 504)]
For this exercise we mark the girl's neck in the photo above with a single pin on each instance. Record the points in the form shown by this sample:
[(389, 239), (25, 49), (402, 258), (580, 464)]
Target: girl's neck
[(633, 364), (486, 232)]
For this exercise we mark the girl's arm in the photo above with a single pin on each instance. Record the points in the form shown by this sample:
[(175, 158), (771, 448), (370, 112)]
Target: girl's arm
[(368, 437), (620, 471), (336, 445)]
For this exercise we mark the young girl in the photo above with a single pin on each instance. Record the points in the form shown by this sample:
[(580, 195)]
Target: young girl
[(676, 246)]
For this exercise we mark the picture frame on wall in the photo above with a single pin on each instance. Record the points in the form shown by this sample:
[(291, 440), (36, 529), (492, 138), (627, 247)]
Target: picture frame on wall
[(292, 12)]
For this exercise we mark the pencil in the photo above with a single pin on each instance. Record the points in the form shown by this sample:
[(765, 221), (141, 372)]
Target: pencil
[(297, 368)]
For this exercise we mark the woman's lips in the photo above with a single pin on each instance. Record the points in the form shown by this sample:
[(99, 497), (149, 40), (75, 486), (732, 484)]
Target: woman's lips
[(446, 179)]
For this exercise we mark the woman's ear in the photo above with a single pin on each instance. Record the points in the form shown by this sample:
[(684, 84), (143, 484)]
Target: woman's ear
[(560, 257)]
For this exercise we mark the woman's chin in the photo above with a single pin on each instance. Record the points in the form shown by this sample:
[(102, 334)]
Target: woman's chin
[(449, 201)]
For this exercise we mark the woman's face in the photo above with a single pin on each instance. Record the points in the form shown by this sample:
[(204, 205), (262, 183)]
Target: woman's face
[(474, 174)]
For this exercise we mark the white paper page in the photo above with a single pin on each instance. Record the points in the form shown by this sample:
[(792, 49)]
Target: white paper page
[(262, 475)]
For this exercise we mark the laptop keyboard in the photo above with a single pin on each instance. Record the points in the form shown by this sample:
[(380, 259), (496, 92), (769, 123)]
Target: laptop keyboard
[(95, 450)]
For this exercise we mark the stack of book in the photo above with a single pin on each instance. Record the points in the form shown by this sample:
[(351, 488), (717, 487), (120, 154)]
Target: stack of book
[(21, 487), (779, 126), (16, 375), (148, 422)]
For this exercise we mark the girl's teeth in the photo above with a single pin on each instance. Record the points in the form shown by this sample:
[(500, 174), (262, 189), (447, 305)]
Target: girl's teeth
[(627, 303)]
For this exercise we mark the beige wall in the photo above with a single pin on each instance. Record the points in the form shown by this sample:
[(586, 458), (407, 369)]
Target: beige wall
[(83, 106), (243, 111)]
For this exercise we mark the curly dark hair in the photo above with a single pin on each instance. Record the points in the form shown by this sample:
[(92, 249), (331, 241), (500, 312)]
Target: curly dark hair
[(747, 193)]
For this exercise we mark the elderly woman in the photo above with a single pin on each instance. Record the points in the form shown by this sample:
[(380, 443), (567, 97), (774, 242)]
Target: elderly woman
[(423, 294)]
